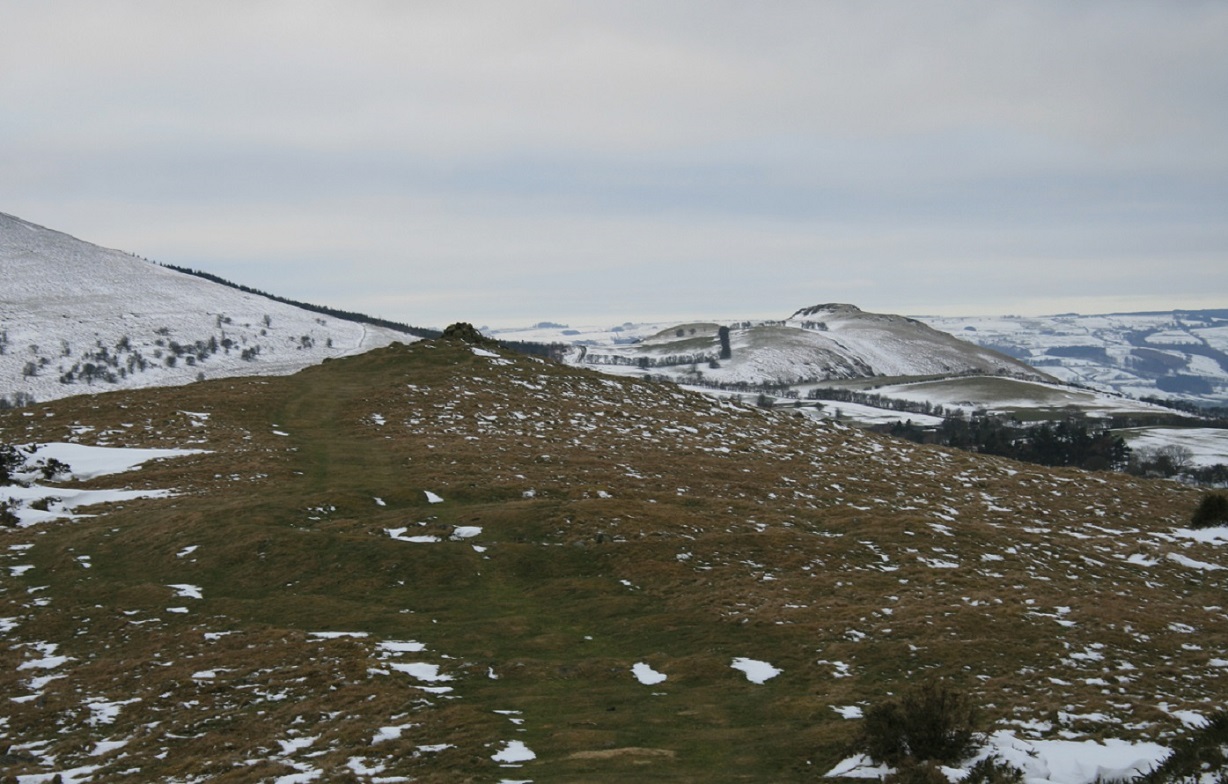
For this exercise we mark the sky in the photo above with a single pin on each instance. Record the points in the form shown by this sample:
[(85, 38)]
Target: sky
[(582, 162)]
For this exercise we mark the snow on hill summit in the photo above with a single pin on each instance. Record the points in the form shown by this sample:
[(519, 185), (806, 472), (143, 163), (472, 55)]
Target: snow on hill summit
[(815, 344), (77, 318)]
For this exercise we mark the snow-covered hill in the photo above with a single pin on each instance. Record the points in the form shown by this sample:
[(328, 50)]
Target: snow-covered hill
[(815, 344), (1176, 354), (77, 318)]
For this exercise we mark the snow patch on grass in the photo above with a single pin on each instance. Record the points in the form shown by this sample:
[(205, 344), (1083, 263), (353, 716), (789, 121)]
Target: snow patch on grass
[(756, 671)]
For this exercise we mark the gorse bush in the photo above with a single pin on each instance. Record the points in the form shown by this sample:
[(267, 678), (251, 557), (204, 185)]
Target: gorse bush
[(1200, 757), (10, 461), (929, 722), (993, 770), (1212, 511)]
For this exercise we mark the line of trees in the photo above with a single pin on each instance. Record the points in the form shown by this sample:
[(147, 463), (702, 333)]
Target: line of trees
[(1212, 416), (547, 350), (344, 315), (877, 400), (1073, 443), (672, 360)]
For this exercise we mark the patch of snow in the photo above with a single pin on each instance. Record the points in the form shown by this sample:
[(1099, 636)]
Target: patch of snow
[(514, 751), (293, 745), (756, 671), (1216, 535), (420, 670), (399, 535), (432, 498), (646, 674), (79, 775), (186, 591), (389, 733), (88, 462), (1042, 761), (49, 660), (1191, 563), (105, 712), (401, 646), (858, 767), (1074, 762), (67, 499)]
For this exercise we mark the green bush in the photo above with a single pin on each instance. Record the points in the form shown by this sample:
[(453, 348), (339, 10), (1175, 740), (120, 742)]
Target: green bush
[(1200, 757), (931, 722), (10, 460), (993, 770), (1212, 511)]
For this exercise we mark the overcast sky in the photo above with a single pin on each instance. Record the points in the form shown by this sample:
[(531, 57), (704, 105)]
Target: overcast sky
[(591, 162)]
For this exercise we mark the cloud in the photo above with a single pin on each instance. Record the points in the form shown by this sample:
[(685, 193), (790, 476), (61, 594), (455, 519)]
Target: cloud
[(515, 156)]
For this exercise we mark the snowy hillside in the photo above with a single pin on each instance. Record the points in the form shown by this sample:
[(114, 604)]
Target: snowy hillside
[(1178, 354), (813, 345), (76, 318)]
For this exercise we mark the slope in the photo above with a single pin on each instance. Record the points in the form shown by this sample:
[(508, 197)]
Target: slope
[(77, 318), (443, 563), (815, 344)]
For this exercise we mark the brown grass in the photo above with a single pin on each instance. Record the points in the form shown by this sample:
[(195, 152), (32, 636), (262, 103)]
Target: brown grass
[(820, 549)]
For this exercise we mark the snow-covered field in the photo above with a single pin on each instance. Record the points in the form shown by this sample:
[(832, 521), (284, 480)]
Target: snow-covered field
[(1124, 352), (1207, 446), (992, 394)]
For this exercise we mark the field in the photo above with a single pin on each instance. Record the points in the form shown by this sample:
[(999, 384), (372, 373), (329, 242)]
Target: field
[(438, 563)]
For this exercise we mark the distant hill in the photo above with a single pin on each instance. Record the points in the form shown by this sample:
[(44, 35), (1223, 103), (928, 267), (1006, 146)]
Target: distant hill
[(1179, 355), (814, 345), (76, 318)]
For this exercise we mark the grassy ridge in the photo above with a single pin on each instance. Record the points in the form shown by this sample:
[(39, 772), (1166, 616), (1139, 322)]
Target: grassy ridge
[(621, 522)]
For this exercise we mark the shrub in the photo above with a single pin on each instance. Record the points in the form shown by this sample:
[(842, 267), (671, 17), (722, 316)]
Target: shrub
[(1202, 756), (7, 516), (1213, 510), (52, 468), (993, 770), (10, 460), (930, 722)]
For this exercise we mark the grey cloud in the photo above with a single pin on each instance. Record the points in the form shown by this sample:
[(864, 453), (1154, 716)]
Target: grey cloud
[(843, 145)]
